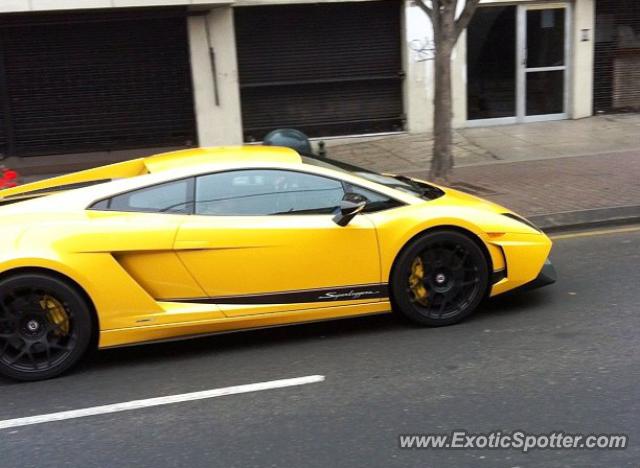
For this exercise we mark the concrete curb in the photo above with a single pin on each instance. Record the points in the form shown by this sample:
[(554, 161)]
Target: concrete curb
[(586, 218)]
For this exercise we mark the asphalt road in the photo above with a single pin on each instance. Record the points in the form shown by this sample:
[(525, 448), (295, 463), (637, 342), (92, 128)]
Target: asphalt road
[(563, 358)]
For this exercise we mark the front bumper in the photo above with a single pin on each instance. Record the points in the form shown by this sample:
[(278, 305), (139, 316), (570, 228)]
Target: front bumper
[(547, 276)]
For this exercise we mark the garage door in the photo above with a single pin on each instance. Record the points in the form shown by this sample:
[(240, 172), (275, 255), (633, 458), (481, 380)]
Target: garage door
[(617, 56), (328, 69), (3, 138), (4, 106), (97, 81)]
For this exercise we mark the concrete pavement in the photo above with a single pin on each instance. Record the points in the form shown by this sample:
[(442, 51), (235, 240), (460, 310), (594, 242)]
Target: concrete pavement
[(560, 358), (497, 144), (549, 186)]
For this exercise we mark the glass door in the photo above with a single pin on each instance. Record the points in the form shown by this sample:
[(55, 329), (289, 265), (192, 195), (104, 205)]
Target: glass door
[(517, 64), (491, 65), (543, 72)]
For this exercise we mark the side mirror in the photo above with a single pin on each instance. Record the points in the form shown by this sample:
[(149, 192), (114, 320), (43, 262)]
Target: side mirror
[(350, 206)]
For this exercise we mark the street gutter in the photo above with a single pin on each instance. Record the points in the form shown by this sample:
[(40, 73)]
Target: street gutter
[(587, 218)]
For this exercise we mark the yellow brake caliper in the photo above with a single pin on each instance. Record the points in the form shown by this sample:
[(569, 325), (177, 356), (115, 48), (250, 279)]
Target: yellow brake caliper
[(56, 313), (416, 282)]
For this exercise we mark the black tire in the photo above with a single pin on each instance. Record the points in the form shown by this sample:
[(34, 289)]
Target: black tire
[(454, 280), (46, 326)]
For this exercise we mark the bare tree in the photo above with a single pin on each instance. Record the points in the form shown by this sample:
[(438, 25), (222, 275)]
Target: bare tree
[(447, 28)]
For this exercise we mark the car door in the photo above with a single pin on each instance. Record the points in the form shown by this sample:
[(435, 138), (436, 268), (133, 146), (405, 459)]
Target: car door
[(263, 240)]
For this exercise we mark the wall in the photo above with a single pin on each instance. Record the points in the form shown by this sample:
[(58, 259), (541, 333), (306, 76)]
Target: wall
[(420, 73), (581, 104), (215, 85), (418, 54)]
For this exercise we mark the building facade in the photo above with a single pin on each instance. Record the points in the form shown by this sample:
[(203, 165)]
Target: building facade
[(518, 62), (104, 75)]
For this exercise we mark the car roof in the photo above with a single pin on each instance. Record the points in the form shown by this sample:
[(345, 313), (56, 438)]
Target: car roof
[(157, 164), (118, 178), (226, 154)]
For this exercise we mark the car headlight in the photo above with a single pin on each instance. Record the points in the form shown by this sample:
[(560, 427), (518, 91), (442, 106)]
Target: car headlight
[(522, 220)]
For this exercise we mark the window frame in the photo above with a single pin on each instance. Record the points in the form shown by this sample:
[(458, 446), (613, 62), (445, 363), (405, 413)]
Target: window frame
[(192, 188), (322, 176)]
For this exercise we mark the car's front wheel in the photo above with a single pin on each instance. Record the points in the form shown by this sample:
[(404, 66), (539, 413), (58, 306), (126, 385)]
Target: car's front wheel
[(440, 278), (45, 326)]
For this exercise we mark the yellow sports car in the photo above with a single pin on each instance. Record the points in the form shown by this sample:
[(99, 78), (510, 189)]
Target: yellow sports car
[(213, 240)]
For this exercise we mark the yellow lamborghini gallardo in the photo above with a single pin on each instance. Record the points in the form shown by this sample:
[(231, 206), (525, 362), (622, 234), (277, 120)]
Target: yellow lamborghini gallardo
[(213, 240)]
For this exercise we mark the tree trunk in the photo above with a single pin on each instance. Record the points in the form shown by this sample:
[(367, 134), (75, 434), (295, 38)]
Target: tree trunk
[(446, 31), (442, 160)]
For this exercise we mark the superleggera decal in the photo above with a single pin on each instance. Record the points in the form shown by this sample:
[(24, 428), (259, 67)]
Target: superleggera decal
[(350, 293)]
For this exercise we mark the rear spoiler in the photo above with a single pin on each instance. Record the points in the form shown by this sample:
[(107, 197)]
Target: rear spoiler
[(73, 181)]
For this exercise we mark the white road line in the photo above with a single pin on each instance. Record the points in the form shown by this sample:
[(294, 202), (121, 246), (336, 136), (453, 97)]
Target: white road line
[(160, 401)]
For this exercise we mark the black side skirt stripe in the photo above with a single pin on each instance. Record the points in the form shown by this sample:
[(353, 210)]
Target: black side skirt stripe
[(349, 293)]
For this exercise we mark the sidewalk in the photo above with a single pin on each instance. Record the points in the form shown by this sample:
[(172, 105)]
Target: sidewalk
[(561, 172)]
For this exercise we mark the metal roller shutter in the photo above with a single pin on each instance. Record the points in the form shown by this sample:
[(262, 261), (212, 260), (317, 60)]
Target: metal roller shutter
[(3, 138), (4, 106), (98, 81), (328, 69), (617, 56)]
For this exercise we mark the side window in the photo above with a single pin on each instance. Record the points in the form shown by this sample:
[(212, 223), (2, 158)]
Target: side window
[(266, 192), (376, 201), (172, 197)]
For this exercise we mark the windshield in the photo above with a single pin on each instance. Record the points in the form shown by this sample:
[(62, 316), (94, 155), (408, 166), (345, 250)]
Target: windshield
[(398, 182)]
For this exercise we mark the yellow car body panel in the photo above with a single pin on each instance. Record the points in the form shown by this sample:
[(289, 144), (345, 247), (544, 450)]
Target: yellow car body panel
[(158, 276), (258, 254), (187, 328)]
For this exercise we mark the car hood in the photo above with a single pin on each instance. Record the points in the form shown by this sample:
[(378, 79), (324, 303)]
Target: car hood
[(453, 196)]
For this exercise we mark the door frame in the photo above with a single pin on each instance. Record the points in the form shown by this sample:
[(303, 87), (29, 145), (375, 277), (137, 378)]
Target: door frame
[(521, 66), (522, 70)]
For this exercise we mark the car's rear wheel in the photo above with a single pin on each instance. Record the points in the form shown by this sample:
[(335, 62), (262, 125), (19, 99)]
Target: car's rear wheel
[(45, 326), (439, 278)]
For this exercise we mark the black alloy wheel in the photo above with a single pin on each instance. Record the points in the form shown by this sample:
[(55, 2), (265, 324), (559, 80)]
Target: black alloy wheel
[(45, 327), (440, 278)]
